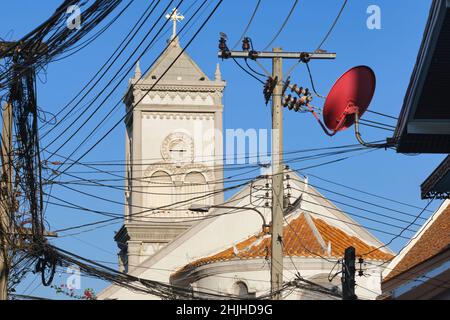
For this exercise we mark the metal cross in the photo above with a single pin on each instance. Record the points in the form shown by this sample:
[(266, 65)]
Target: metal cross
[(175, 16)]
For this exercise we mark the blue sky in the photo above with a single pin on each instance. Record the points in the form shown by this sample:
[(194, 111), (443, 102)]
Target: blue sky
[(391, 52)]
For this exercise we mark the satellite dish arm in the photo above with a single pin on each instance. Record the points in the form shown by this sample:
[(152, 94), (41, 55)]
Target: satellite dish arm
[(324, 128), (362, 142)]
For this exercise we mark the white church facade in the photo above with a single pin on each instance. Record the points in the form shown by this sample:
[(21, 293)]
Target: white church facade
[(174, 150)]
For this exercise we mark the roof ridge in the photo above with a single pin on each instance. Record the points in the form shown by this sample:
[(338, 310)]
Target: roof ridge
[(315, 231)]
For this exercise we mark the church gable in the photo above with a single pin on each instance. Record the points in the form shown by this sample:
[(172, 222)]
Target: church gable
[(184, 70)]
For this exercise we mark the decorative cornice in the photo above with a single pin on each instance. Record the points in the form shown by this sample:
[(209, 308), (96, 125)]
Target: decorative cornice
[(200, 87), (135, 92), (178, 115), (180, 108), (149, 232)]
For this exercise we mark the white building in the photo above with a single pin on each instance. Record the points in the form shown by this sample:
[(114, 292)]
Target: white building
[(174, 148)]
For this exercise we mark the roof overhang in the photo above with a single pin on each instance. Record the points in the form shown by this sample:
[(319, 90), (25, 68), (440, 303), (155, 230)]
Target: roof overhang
[(424, 121), (437, 185), (420, 284)]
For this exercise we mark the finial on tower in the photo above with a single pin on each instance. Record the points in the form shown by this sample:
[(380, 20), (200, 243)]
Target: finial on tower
[(137, 72), (175, 16), (218, 74)]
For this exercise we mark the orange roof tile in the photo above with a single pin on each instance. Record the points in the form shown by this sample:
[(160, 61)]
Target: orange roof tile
[(305, 246), (432, 241)]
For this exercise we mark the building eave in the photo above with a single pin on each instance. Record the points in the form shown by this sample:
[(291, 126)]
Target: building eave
[(429, 133), (421, 281), (437, 185)]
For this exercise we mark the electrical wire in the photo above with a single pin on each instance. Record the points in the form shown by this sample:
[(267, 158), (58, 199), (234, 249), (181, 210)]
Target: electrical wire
[(250, 21), (362, 191), (319, 47), (382, 114), (399, 235), (359, 200), (24, 139), (156, 82), (286, 20), (111, 81), (130, 36), (247, 72)]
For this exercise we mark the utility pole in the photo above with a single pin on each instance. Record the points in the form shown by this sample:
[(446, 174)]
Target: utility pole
[(348, 275), (277, 56), (276, 244), (6, 188), (6, 192)]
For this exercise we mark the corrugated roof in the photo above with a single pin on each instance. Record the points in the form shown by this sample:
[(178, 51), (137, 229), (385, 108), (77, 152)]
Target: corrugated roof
[(300, 240), (430, 242)]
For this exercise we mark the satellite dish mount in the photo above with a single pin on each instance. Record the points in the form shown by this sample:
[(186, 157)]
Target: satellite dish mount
[(347, 101)]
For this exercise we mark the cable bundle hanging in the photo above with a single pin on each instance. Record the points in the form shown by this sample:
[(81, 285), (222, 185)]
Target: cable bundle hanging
[(21, 61), (53, 37), (27, 163)]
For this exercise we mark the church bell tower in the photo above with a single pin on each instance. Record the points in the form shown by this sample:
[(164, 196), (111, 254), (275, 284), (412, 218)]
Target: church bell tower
[(174, 151)]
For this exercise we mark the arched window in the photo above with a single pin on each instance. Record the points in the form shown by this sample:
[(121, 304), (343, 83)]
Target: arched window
[(195, 186), (240, 290), (159, 190)]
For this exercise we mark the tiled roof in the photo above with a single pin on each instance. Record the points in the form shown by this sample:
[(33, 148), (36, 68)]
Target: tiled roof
[(430, 242), (300, 241)]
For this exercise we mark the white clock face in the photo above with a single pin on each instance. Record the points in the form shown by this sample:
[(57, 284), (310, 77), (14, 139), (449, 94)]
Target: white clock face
[(178, 148)]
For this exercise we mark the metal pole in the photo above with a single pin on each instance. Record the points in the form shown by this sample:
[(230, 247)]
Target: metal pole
[(276, 272), (5, 197)]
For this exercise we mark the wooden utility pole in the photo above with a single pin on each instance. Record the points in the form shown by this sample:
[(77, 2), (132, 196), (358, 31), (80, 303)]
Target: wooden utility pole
[(6, 198), (277, 56)]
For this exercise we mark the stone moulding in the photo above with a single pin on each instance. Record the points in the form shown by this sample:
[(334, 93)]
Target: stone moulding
[(179, 172)]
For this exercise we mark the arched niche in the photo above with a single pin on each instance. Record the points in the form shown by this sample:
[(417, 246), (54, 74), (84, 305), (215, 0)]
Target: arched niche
[(158, 190), (194, 186)]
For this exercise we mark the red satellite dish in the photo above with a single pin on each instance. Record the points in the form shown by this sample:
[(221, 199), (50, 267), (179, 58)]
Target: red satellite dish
[(351, 93)]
